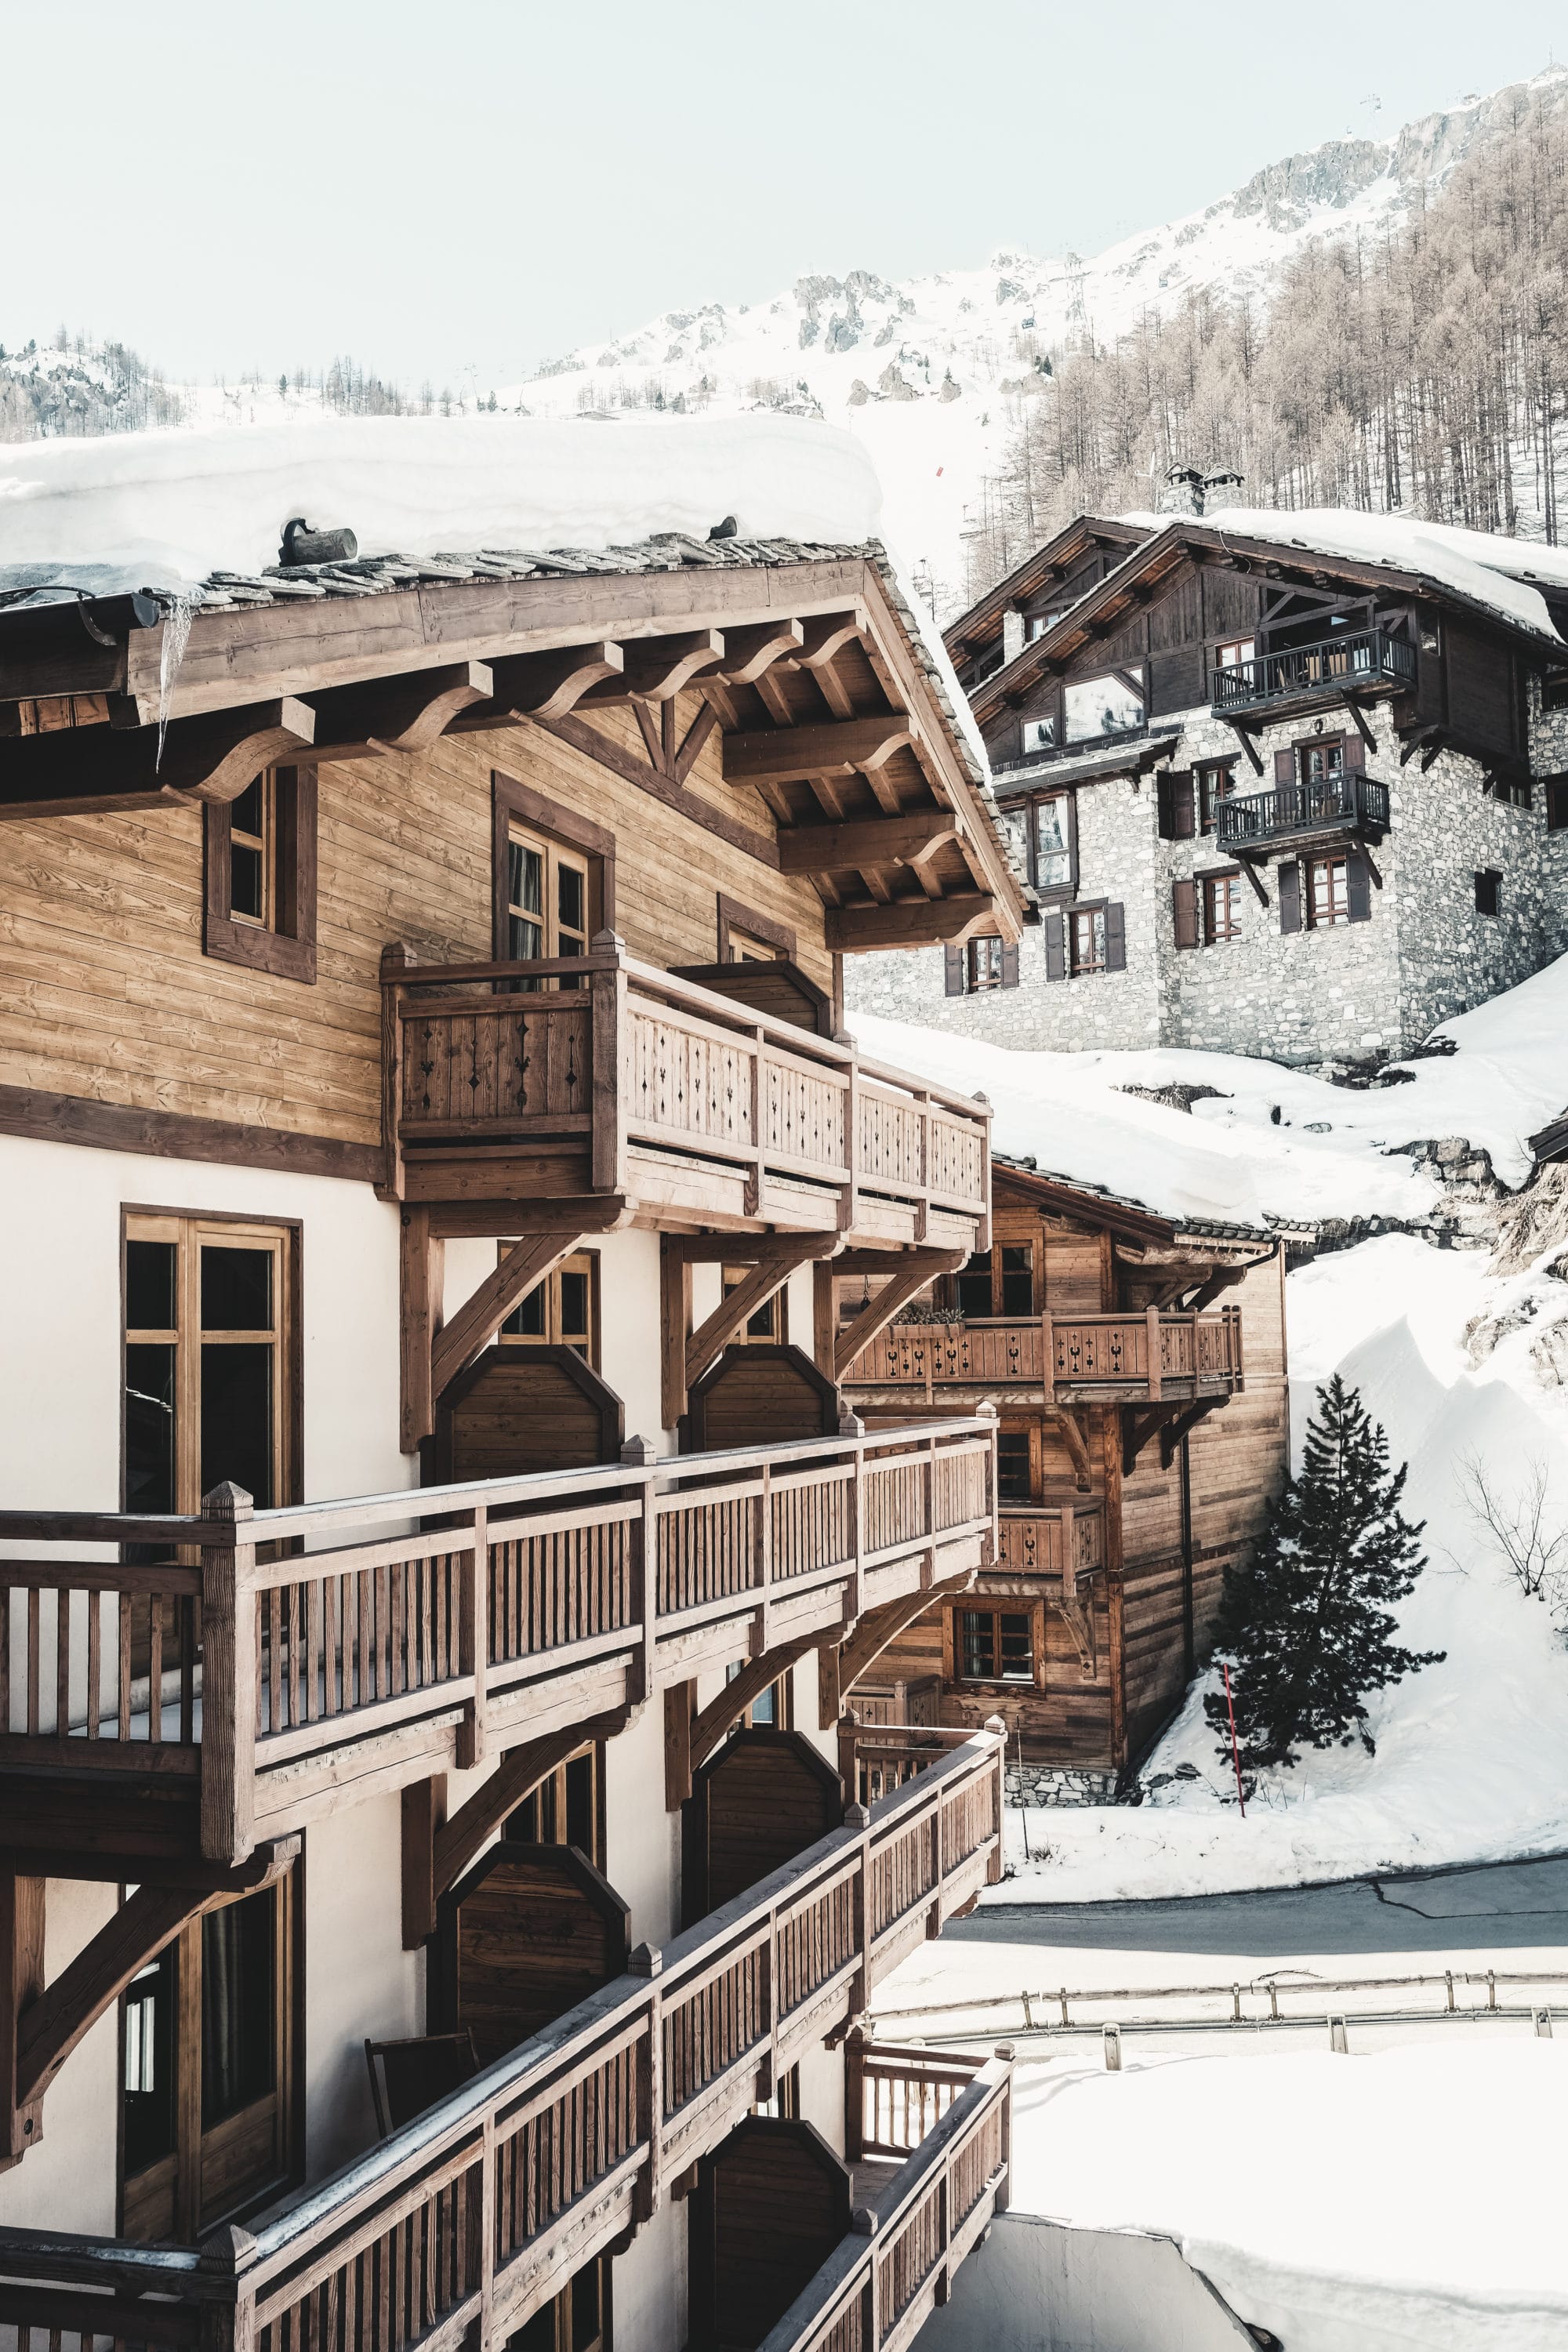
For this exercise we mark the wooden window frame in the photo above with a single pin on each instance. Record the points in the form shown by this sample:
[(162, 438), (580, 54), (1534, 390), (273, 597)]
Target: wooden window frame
[(284, 945), (1011, 1438), (1555, 788), (553, 1335), (555, 1782), (186, 1228), (189, 2218), (517, 804), (776, 1309), (782, 1693), (948, 1283), (1213, 780), (1087, 908), (996, 1608), (736, 920), (1230, 881), (982, 967), (1311, 920), (1554, 689), (1053, 893)]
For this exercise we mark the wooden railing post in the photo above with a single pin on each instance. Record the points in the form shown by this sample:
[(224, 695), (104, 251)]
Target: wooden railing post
[(857, 1819), (473, 1638), (998, 1862), (607, 1021), (1154, 1344), (755, 1184), (851, 1426), (863, 2222), (397, 958), (647, 1961), (227, 2321), (988, 1411), (229, 1677), (1048, 1357), (637, 1452), (856, 2042)]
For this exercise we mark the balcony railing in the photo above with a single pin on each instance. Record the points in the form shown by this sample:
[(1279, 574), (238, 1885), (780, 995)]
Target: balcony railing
[(1343, 665), (878, 2289), (1066, 1543), (476, 1613), (597, 1074), (1130, 1356), (1339, 803), (457, 2228)]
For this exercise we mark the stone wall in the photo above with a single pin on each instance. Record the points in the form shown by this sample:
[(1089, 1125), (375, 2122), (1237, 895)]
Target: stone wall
[(1058, 1785)]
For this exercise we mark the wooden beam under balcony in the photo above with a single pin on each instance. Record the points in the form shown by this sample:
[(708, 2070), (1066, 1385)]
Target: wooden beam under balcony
[(908, 922), (782, 755), (869, 841), (81, 770)]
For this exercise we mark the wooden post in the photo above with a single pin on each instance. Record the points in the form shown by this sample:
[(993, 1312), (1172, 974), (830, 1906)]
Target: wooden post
[(1154, 1354), (675, 1327), (423, 1813), (423, 1275), (397, 958), (228, 1678), (852, 1427), (848, 1733), (21, 1982), (830, 1696), (754, 1185), (1048, 1357), (988, 1411), (647, 1961), (473, 1639), (855, 2046), (677, 1701), (995, 1866), (1006, 2054), (228, 2320), (933, 1915), (851, 1155), (637, 1452), (823, 1323), (607, 994), (857, 1818)]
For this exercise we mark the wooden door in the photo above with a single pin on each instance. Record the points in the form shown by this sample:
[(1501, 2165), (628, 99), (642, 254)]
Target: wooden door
[(762, 1800), (530, 1932), (772, 2205)]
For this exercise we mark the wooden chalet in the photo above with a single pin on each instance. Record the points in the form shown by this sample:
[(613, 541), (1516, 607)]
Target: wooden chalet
[(1138, 1369), (432, 1148)]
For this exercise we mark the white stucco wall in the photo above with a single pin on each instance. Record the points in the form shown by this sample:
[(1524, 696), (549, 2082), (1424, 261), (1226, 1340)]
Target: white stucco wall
[(360, 1984), (68, 2179)]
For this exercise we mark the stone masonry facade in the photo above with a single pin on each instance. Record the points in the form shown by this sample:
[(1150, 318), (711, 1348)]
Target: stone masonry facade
[(1349, 995), (1058, 1785)]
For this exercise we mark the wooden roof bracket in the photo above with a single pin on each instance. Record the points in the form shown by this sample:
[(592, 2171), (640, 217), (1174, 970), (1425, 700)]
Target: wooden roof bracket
[(1417, 740), (1244, 738), (1172, 1432), (1250, 868), (1356, 713), (1072, 1437)]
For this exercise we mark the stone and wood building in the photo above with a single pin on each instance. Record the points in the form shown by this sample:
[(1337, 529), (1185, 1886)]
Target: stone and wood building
[(1275, 796), (1138, 1368), (433, 1155)]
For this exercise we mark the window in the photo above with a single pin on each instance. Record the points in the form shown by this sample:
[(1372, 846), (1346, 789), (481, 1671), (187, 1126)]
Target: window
[(1557, 804), (747, 936), (1112, 705), (1231, 655), (1554, 689), (562, 1311), (1511, 791), (1052, 844), (1038, 624), (1328, 892), (1323, 763), (786, 2101), (1489, 891), (1213, 786), (553, 875), (1014, 1483), (1222, 908), (975, 965), (210, 1376), (997, 1282), (259, 885), (771, 1321), (1039, 735), (996, 1645), (567, 1808), (209, 2033), (985, 964), (1086, 934), (771, 1710), (576, 2320)]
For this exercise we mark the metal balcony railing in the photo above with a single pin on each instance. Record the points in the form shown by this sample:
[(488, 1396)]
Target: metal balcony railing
[(1342, 665), (1347, 803)]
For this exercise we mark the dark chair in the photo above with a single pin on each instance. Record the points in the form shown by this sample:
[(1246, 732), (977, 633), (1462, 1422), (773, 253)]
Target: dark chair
[(412, 2075)]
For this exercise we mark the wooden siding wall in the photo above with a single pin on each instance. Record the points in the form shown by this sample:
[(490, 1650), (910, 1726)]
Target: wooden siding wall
[(105, 992)]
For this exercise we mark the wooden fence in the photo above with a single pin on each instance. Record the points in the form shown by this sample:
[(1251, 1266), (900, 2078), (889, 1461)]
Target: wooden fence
[(457, 2228), (1134, 1355), (511, 1594)]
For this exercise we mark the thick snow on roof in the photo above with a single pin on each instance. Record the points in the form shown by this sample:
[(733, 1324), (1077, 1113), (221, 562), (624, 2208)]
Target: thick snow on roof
[(159, 508), (1484, 568)]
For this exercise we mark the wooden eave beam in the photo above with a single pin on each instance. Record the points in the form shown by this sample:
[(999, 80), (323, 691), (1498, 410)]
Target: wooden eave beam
[(50, 2029), (908, 922), (93, 769), (393, 714), (781, 755), (658, 667), (908, 1276), (751, 651), (827, 635), (867, 841)]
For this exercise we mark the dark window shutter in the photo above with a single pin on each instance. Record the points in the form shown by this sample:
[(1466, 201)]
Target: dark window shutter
[(1182, 804), (1072, 843), (1115, 937), (1010, 963), (1056, 945), (1358, 888), (1185, 901), (1165, 807), (1289, 896), (1354, 754), (1284, 766), (952, 971)]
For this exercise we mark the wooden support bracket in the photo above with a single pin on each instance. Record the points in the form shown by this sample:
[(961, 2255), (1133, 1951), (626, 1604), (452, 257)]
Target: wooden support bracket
[(81, 770), (1247, 743), (878, 1627), (393, 714), (1355, 712), (732, 1314), (1172, 1432), (908, 1276), (1072, 1437)]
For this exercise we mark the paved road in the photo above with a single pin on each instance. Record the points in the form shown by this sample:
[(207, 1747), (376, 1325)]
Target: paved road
[(1503, 1906)]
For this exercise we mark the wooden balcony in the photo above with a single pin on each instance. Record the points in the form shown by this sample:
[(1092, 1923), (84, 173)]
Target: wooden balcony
[(877, 2291), (1360, 661), (1350, 805), (597, 1075), (195, 1710), (1112, 1359), (456, 2229)]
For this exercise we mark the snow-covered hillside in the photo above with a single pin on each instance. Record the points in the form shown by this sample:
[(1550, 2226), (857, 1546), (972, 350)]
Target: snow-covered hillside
[(1461, 1354)]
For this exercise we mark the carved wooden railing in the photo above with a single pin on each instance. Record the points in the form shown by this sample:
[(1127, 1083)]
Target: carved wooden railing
[(485, 1612), (600, 1054), (877, 2290), (461, 2225), (1066, 1543), (1141, 1355)]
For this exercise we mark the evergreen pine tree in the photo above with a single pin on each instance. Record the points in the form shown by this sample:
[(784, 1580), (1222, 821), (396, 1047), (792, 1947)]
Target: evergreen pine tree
[(1302, 1621)]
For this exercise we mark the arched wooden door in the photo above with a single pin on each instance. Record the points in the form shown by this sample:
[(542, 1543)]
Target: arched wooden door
[(530, 1932), (763, 1798), (771, 2204), (759, 1395)]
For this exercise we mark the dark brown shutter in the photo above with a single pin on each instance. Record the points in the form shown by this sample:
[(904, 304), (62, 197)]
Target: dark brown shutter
[(1056, 945), (1010, 963), (1185, 902), (1115, 937), (1358, 888), (1354, 754), (1183, 805), (1165, 802), (952, 971), (1289, 896), (1072, 843), (1284, 766)]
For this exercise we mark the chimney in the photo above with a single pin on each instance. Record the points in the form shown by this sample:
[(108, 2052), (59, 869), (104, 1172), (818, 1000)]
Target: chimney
[(1011, 637), (1221, 489), (1184, 491)]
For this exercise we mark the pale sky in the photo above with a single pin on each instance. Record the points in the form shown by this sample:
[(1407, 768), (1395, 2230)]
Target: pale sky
[(432, 185)]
